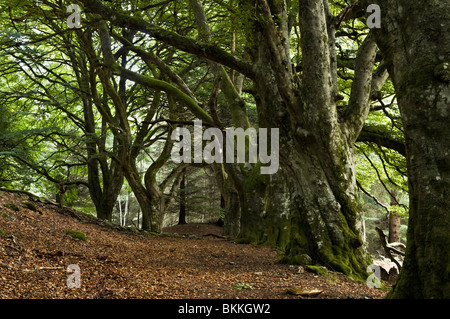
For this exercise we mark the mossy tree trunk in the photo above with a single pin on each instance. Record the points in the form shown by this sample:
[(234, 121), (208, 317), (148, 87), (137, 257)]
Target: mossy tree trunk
[(309, 208), (230, 198), (415, 41), (182, 207)]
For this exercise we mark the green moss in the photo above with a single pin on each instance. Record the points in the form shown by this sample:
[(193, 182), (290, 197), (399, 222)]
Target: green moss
[(256, 180), (348, 261), (77, 234), (245, 240), (3, 233), (12, 206), (318, 270), (240, 286), (4, 214)]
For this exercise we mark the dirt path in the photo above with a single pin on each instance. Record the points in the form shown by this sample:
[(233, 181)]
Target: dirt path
[(35, 251)]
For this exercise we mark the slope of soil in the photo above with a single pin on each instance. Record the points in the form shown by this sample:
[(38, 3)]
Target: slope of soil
[(36, 250)]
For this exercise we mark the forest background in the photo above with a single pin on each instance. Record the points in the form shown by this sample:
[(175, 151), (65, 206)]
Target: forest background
[(87, 109)]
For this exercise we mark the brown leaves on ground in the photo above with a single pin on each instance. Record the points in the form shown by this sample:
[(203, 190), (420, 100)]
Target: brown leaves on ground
[(35, 251)]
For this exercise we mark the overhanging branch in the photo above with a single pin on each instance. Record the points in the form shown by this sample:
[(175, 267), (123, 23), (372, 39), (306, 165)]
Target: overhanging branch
[(186, 44), (374, 134)]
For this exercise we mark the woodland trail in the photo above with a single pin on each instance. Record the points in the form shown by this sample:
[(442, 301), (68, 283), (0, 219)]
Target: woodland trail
[(35, 251)]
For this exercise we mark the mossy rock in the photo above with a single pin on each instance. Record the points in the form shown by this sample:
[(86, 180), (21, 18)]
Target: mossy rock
[(77, 234), (244, 241), (12, 206), (300, 259), (318, 270), (30, 206)]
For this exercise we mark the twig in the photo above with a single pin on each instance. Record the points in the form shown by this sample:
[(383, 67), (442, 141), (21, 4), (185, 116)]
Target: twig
[(13, 239), (15, 248), (373, 197), (42, 268), (378, 174), (395, 250), (217, 236), (49, 268)]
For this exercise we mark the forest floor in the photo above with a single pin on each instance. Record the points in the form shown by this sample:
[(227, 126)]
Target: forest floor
[(36, 250)]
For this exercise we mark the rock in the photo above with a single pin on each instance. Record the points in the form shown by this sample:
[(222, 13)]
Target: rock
[(302, 291), (76, 234), (301, 259)]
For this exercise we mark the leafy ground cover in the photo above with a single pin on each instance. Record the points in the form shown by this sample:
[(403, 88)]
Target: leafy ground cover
[(36, 249)]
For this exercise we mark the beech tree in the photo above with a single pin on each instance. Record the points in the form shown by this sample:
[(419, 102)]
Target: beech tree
[(47, 79), (414, 39)]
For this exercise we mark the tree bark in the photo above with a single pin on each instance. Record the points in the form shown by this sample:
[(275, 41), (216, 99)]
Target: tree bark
[(394, 228), (415, 41), (182, 212), (394, 221)]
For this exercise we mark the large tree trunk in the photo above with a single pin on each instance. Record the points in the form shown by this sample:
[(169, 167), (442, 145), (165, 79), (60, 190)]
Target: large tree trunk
[(309, 207), (306, 210), (415, 40)]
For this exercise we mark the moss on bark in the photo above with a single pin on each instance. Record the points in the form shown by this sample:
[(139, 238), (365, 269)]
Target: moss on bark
[(306, 230)]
